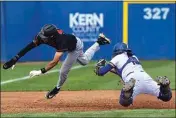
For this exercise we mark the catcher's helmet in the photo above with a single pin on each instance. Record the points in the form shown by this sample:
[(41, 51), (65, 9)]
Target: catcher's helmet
[(120, 48), (49, 30)]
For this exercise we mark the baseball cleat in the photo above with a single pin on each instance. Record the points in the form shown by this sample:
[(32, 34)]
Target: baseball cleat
[(129, 85), (102, 39), (10, 63), (52, 93), (163, 81)]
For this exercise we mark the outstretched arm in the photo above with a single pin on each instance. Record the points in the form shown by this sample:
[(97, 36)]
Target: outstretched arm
[(49, 66), (102, 68), (54, 62), (21, 53)]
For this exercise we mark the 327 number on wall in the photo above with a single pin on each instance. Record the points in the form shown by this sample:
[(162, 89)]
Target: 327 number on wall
[(156, 13)]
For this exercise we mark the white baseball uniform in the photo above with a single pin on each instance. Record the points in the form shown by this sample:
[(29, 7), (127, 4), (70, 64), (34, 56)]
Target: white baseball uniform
[(144, 83)]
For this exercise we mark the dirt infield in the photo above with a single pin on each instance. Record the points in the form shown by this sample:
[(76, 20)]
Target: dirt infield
[(16, 102)]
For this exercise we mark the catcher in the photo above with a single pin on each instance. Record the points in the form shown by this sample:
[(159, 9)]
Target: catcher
[(62, 42), (135, 80)]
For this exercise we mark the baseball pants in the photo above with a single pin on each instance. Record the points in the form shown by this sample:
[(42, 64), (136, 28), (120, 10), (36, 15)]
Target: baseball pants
[(144, 84), (76, 56)]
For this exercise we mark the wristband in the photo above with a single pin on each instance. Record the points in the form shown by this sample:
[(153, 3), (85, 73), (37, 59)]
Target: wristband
[(43, 70)]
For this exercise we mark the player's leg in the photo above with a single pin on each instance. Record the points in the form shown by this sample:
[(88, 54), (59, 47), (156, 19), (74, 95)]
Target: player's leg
[(63, 73), (126, 96), (165, 93), (161, 89), (68, 63), (84, 58), (131, 88)]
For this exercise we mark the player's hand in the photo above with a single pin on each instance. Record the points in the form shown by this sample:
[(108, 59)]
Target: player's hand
[(35, 73)]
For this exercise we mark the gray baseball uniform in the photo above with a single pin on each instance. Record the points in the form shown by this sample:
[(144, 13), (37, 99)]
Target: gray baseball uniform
[(76, 56)]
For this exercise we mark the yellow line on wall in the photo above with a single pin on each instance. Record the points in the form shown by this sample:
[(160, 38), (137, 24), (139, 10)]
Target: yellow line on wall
[(125, 13), (125, 22)]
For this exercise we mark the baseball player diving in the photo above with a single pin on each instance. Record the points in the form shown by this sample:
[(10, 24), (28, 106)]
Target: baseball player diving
[(135, 80), (62, 42)]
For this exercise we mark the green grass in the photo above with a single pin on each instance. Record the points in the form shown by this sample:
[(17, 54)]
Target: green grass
[(112, 113), (80, 79)]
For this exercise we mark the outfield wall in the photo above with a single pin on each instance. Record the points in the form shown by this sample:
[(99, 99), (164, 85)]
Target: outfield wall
[(150, 29)]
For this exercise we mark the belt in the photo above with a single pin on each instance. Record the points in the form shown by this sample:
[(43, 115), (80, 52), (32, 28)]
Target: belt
[(133, 72)]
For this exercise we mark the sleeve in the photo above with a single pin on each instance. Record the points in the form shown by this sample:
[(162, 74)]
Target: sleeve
[(114, 61), (103, 70), (115, 72), (39, 39), (36, 42)]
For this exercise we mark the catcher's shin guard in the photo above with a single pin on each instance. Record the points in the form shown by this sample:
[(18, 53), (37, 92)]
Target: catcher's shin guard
[(126, 93), (165, 93), (124, 101)]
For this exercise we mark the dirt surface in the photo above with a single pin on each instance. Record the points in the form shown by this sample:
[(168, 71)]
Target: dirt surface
[(16, 102)]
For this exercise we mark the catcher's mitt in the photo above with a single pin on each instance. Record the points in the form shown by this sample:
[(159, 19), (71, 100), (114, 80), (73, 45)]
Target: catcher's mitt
[(100, 63)]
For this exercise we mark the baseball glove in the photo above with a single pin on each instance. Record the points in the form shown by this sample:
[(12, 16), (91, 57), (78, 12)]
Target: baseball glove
[(100, 63)]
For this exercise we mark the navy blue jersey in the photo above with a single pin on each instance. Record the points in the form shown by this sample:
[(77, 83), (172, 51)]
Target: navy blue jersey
[(61, 42)]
